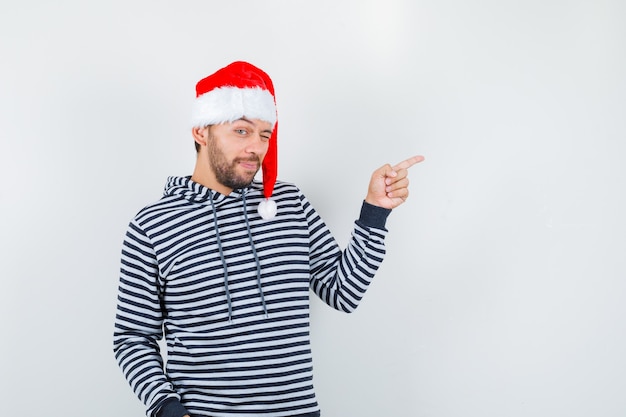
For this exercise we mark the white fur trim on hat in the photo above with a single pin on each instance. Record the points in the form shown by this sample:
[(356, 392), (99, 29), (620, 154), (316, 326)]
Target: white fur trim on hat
[(227, 104)]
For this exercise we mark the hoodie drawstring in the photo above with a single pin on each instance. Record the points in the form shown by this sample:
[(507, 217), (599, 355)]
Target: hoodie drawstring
[(219, 247), (223, 259), (256, 257)]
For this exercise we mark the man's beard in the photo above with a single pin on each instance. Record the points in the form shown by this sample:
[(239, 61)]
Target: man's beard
[(225, 172)]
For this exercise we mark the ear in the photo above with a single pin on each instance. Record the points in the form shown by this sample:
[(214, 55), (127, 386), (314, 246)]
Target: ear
[(200, 135)]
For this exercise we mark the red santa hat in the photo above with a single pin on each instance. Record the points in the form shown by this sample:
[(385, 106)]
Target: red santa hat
[(241, 90)]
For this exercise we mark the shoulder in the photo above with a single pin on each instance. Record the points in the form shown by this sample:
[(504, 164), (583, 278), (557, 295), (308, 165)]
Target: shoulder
[(283, 187), (282, 190), (287, 191), (162, 208)]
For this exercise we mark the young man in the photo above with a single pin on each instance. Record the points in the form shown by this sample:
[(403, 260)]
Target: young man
[(222, 265)]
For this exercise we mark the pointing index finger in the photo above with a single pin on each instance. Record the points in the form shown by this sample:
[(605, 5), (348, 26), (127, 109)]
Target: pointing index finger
[(408, 163)]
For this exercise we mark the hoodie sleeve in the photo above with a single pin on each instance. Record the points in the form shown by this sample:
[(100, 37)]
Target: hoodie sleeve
[(340, 278), (138, 323)]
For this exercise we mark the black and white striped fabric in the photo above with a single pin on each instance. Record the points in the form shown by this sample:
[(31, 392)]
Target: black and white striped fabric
[(254, 360)]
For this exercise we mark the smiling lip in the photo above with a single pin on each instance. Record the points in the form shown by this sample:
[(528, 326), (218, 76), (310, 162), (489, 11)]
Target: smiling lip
[(249, 165)]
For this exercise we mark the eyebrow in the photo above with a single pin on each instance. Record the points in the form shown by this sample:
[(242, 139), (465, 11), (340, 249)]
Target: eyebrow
[(253, 124)]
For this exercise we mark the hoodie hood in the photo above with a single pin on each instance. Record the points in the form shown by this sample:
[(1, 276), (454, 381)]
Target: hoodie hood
[(194, 192)]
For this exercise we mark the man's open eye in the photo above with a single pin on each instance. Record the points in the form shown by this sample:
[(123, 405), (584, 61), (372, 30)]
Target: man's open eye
[(241, 131)]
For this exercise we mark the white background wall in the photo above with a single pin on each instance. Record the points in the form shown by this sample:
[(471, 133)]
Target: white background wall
[(503, 290)]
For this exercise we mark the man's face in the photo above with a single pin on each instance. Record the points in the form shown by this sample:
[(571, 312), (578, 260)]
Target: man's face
[(236, 150)]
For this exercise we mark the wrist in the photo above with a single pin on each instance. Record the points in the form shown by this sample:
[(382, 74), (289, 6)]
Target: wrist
[(172, 407), (373, 215)]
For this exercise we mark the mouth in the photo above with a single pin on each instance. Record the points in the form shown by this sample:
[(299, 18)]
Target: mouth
[(249, 165)]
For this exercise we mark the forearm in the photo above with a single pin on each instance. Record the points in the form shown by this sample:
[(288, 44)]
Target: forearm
[(139, 321), (137, 353), (342, 278)]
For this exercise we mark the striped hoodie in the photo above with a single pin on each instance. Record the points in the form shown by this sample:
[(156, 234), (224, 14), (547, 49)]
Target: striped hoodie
[(230, 293)]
